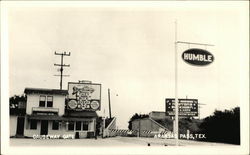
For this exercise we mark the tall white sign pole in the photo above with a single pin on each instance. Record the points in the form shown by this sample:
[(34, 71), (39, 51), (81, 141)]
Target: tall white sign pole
[(176, 122), (176, 90)]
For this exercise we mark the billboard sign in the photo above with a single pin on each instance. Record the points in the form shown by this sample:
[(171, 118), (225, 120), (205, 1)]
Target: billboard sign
[(84, 96), (198, 57), (187, 107)]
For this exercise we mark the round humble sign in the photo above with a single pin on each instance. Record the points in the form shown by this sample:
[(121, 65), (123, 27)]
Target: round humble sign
[(94, 105), (72, 104)]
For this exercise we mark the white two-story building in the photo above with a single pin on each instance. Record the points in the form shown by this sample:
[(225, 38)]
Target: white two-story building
[(46, 114)]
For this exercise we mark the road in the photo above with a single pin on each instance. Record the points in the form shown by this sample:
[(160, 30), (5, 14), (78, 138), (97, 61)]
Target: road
[(114, 141)]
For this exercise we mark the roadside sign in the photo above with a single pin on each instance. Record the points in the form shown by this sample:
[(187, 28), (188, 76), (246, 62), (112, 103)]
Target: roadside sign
[(84, 96), (198, 57), (187, 107)]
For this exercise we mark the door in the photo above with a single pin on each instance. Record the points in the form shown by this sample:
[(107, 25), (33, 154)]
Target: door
[(44, 127), (20, 126)]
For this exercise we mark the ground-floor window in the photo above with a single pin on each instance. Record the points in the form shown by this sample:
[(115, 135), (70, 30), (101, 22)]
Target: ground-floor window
[(85, 126), (71, 126), (78, 125), (33, 124), (55, 125)]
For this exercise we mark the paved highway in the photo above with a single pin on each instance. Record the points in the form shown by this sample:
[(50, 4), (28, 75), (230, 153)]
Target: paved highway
[(114, 141)]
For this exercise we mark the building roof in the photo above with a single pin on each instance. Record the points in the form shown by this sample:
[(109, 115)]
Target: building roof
[(45, 91), (164, 126), (158, 122)]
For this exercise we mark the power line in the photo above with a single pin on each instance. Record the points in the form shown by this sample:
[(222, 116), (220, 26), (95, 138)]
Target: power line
[(61, 66)]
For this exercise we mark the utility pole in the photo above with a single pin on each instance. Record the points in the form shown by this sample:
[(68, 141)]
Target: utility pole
[(109, 103), (104, 120), (61, 66)]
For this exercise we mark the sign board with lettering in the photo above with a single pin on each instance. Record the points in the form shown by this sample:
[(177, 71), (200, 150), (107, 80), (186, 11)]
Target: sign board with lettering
[(84, 96), (198, 57), (187, 107)]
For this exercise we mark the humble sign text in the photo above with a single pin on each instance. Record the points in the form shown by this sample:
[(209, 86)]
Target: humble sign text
[(197, 57)]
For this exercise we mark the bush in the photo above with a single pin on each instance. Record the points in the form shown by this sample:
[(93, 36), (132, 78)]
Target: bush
[(222, 126), (136, 116)]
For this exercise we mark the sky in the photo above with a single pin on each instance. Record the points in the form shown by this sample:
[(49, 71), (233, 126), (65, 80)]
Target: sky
[(130, 49)]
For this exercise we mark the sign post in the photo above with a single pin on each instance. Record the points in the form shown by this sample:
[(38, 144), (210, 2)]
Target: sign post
[(201, 58), (176, 131)]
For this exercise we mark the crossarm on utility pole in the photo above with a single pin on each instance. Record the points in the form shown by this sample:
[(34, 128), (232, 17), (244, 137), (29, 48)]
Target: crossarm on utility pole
[(62, 65)]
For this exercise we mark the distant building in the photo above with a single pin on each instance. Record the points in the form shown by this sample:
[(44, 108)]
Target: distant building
[(158, 115), (17, 114), (151, 125), (13, 125)]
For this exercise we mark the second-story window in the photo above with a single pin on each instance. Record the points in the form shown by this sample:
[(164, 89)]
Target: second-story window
[(49, 101), (46, 101), (42, 101)]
